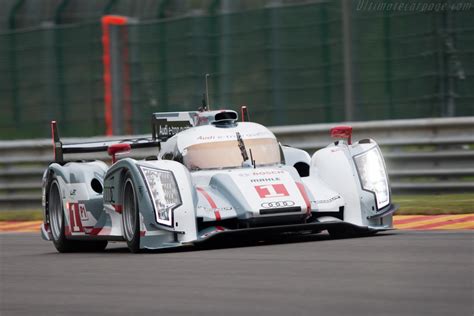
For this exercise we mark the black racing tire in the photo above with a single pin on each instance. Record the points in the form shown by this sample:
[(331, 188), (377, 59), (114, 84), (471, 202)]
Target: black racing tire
[(57, 224), (338, 233), (130, 215)]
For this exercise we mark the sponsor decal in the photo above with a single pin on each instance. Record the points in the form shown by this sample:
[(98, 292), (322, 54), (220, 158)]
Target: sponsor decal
[(277, 204), (261, 173), (207, 209), (270, 179), (231, 136), (211, 202), (75, 217), (83, 212), (334, 198), (73, 192), (271, 190), (168, 129)]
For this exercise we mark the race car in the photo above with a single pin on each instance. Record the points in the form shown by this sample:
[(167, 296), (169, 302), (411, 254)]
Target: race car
[(212, 177)]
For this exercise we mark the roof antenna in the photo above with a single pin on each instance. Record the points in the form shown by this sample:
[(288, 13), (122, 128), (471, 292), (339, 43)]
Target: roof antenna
[(207, 94), (204, 105)]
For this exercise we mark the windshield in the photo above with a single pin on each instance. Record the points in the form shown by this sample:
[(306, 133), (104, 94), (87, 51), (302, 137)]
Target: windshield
[(226, 154)]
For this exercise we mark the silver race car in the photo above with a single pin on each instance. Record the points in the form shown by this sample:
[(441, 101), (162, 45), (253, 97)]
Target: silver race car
[(212, 177)]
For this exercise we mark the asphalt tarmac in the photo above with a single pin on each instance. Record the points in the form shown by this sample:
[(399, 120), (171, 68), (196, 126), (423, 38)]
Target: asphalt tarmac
[(398, 273)]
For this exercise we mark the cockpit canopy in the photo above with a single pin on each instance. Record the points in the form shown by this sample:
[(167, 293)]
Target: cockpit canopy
[(226, 154), (217, 147)]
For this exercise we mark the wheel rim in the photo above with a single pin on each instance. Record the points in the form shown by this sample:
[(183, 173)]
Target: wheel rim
[(129, 210), (55, 210)]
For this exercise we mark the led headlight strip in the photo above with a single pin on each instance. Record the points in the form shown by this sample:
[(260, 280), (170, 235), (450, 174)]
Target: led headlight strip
[(373, 176), (164, 193)]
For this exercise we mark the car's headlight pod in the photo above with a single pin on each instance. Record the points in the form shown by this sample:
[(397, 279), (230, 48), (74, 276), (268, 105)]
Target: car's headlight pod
[(164, 193), (373, 176)]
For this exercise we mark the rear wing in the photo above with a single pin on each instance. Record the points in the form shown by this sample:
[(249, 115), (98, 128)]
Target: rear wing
[(164, 126), (168, 124), (60, 149)]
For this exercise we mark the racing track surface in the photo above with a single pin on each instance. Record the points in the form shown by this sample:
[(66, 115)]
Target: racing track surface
[(399, 273)]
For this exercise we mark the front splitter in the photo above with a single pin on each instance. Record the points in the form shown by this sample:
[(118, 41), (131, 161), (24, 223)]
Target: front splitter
[(271, 231)]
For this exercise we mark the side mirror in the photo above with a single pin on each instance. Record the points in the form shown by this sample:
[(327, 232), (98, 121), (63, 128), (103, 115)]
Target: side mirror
[(115, 149)]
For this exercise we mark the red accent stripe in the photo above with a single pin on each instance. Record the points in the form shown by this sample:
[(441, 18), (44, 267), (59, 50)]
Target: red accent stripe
[(305, 196), (95, 231), (118, 208), (211, 203), (447, 222), (100, 231)]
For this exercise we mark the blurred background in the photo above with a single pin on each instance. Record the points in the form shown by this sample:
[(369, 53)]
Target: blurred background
[(290, 62), (402, 71)]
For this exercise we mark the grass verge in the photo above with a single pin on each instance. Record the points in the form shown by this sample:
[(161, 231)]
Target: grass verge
[(435, 204), (21, 215), (429, 204)]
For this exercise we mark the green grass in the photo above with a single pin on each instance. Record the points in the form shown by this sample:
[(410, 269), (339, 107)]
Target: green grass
[(432, 204), (20, 215), (429, 204)]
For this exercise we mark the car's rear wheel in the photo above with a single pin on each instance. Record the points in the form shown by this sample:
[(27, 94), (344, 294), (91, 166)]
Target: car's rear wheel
[(57, 224), (130, 215)]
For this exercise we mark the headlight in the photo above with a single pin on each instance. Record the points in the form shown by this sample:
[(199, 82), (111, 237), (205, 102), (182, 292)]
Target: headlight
[(164, 193), (373, 176)]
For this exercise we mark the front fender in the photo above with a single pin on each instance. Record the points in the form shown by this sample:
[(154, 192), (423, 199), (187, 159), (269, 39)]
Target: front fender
[(184, 215), (155, 235)]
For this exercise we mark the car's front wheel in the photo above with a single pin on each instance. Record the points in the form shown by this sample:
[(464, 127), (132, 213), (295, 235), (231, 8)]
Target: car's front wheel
[(130, 215)]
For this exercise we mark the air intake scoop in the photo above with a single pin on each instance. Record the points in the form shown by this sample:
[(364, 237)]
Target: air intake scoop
[(218, 118)]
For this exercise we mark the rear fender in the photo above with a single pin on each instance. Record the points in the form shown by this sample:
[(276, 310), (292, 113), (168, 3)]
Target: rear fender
[(75, 182)]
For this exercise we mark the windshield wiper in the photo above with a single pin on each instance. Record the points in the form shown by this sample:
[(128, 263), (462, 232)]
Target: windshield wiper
[(243, 152), (241, 144)]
